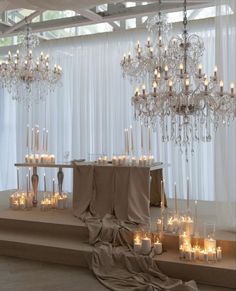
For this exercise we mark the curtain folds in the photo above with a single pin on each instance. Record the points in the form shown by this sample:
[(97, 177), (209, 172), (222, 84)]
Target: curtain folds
[(88, 114)]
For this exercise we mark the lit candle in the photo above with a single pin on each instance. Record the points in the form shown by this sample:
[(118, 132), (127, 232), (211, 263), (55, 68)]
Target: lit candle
[(221, 87), (157, 247), (45, 184), (137, 245), (200, 70), (232, 88), (160, 39), (17, 179), (181, 67), (170, 85), (146, 245), (209, 243), (196, 218), (187, 192), (143, 89), (129, 56), (159, 225), (175, 187), (136, 92), (154, 88), (139, 53), (215, 72), (148, 42), (166, 72), (187, 84)]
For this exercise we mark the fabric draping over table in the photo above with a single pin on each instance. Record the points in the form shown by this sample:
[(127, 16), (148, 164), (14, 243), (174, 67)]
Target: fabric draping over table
[(122, 191), (118, 268)]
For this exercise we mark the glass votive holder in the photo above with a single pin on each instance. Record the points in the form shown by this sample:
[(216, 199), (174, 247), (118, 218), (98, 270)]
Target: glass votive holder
[(62, 201), (209, 236), (21, 200), (157, 244), (186, 224)]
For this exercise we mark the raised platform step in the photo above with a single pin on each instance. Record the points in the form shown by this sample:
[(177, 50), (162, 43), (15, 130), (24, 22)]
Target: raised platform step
[(58, 237)]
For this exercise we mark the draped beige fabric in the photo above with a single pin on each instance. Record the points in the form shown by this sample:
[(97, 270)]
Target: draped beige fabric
[(117, 267), (122, 191)]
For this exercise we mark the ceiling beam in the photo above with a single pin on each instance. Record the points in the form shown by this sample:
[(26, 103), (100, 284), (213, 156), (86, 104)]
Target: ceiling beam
[(90, 17), (21, 23)]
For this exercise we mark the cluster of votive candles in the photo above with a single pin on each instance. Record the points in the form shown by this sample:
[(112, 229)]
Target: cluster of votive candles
[(21, 200), (143, 244), (33, 145), (209, 253)]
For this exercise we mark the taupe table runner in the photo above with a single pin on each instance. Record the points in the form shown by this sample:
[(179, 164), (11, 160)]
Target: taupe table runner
[(122, 191)]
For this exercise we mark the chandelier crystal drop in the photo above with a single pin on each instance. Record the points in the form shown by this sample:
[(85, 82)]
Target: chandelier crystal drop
[(27, 79)]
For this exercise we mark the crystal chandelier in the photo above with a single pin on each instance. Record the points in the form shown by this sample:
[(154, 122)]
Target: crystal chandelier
[(152, 56), (25, 78), (188, 105)]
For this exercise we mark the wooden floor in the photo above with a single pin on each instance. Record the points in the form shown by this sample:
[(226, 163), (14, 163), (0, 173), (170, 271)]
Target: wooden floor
[(26, 275)]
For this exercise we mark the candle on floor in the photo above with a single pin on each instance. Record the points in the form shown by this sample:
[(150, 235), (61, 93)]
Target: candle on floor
[(209, 243), (157, 247), (137, 245), (146, 245)]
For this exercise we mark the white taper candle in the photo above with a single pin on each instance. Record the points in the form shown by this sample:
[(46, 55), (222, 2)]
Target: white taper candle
[(176, 207)]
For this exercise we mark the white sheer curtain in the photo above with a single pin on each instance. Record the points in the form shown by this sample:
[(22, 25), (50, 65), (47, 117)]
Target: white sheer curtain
[(225, 143), (89, 113)]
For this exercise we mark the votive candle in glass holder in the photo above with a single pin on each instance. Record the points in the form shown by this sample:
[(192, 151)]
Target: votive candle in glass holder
[(219, 254), (159, 225), (137, 235), (157, 244), (209, 236)]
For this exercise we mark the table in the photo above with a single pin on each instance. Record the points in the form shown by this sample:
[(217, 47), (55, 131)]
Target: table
[(123, 191)]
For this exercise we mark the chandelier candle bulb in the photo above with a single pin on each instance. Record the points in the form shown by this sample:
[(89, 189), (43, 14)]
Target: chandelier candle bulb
[(200, 70), (160, 41), (215, 73), (170, 85), (165, 52), (139, 52), (232, 89), (221, 87), (166, 72), (154, 88), (187, 85), (148, 42), (206, 85), (181, 67), (143, 89)]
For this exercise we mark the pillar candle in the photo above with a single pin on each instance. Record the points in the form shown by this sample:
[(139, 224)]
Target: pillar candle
[(219, 253), (157, 247), (146, 245), (44, 180)]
